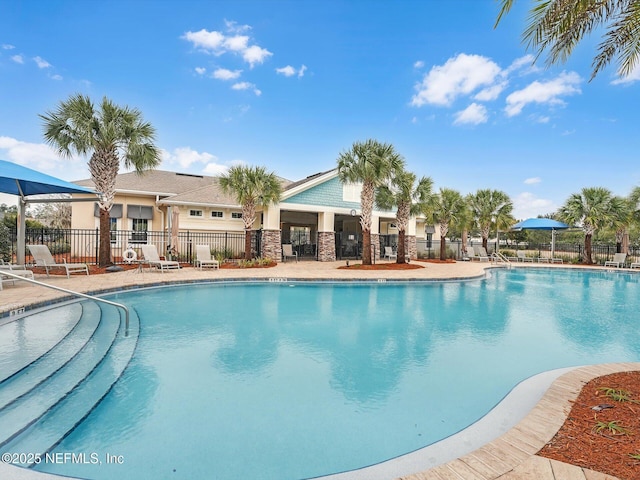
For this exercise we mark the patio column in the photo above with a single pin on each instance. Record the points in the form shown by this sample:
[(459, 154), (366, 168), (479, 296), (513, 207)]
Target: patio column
[(326, 237), (271, 234), (411, 245), (21, 231)]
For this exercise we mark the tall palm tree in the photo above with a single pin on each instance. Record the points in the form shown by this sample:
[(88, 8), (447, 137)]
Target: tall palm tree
[(409, 198), (591, 209), (557, 26), (491, 209), (252, 187), (447, 207), (372, 163), (622, 215), (111, 135)]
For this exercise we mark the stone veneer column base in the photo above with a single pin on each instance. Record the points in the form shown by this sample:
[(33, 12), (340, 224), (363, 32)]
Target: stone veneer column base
[(375, 241), (271, 246), (326, 246), (411, 246)]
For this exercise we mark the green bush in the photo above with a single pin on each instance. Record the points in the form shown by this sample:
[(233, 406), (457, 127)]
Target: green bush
[(58, 248), (5, 243), (222, 254)]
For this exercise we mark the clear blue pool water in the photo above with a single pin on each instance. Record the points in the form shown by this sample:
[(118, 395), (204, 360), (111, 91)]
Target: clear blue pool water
[(291, 381)]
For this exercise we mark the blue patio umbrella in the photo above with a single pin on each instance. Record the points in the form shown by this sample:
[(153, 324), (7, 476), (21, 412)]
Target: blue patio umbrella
[(24, 182), (542, 224)]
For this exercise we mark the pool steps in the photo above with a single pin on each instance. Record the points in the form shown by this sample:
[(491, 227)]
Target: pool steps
[(48, 364), (25, 341), (39, 411)]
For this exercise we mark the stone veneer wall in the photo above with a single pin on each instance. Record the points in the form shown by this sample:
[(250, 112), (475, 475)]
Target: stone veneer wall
[(375, 240), (326, 246), (271, 245), (411, 246)]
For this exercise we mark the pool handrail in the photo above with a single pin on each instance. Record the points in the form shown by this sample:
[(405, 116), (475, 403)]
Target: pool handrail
[(77, 294)]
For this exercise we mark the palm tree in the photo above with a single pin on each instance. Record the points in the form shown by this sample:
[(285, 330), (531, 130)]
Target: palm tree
[(447, 207), (372, 163), (622, 213), (409, 197), (491, 209), (591, 209), (110, 134), (557, 26), (252, 187)]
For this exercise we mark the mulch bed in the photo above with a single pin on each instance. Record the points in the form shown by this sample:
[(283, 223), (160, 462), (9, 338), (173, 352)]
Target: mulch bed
[(434, 260), (382, 266), (608, 450), (95, 270)]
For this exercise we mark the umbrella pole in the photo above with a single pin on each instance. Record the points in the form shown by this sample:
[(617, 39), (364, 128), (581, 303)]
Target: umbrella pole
[(553, 243)]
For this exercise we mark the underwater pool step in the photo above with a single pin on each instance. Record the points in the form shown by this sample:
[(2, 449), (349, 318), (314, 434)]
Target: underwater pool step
[(53, 360), (26, 339), (29, 408), (57, 423)]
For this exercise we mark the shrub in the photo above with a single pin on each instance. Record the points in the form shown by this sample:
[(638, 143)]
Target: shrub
[(5, 243), (59, 247)]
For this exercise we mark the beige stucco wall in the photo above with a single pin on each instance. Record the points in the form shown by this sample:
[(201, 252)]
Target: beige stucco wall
[(209, 224), (82, 213)]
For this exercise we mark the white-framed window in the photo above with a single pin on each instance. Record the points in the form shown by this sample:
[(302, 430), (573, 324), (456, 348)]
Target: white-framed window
[(351, 192), (216, 214), (236, 215), (195, 213)]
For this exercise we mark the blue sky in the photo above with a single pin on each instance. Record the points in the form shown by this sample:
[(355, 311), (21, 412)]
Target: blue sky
[(291, 84)]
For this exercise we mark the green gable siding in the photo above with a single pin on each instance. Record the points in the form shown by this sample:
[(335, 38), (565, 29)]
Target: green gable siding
[(327, 194)]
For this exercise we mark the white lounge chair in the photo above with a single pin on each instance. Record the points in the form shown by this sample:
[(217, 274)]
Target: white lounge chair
[(522, 257), (43, 258), (388, 253), (618, 260), (287, 252), (204, 259), (481, 254), (151, 257), (14, 270)]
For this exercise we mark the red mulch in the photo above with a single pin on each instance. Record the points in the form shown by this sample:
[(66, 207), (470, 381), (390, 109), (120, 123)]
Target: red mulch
[(382, 266), (95, 270), (434, 260), (578, 443)]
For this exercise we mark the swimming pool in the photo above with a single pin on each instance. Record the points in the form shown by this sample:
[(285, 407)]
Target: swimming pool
[(298, 380)]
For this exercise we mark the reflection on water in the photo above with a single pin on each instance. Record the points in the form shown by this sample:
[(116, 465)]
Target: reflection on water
[(292, 381)]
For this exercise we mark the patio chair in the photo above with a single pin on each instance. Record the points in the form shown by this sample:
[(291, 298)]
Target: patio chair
[(618, 260), (388, 253), (15, 270), (469, 255), (287, 252), (151, 257), (522, 257), (43, 258), (635, 265), (481, 254), (204, 259)]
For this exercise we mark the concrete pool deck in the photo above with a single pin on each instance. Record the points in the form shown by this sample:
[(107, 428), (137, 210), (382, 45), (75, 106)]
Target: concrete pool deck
[(511, 456)]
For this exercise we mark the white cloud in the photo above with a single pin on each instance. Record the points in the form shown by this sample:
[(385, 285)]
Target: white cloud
[(532, 180), (634, 76), (490, 93), (6, 46), (18, 59), (246, 86), (41, 62), (289, 71), (56, 77), (200, 70), (215, 169), (185, 157), (224, 74), (474, 114), (521, 62), (41, 157), (527, 205), (568, 132), (460, 75), (418, 64), (543, 92), (217, 43)]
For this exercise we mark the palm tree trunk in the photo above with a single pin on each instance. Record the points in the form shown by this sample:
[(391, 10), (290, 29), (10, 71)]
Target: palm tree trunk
[(366, 247), (444, 229), (587, 249), (104, 250), (401, 247), (247, 244), (366, 202)]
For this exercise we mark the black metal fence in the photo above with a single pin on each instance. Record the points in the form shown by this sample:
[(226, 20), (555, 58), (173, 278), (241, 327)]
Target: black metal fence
[(78, 245)]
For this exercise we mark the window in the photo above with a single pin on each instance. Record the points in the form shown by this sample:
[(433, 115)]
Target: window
[(236, 215), (140, 227), (216, 214), (195, 213), (113, 227), (351, 192)]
